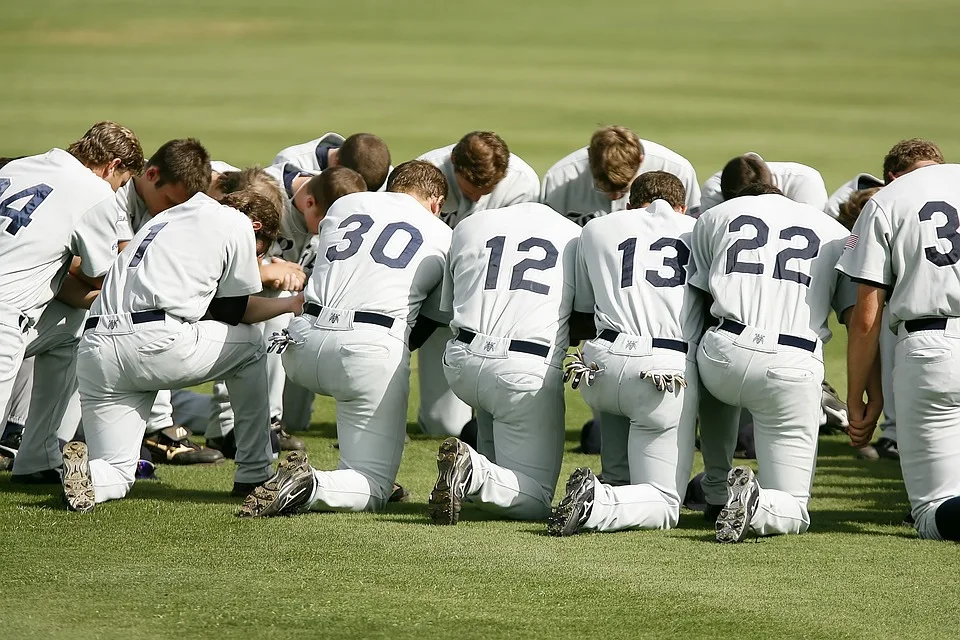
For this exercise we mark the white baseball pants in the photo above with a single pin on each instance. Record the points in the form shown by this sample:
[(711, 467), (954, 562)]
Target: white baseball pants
[(122, 365), (366, 369), (781, 387), (441, 412), (520, 412), (648, 435)]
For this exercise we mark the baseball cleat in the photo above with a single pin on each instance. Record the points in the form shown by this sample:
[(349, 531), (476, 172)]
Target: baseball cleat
[(173, 446), (399, 494), (77, 484), (569, 516), (454, 472), (285, 441), (887, 448), (286, 493), (743, 496)]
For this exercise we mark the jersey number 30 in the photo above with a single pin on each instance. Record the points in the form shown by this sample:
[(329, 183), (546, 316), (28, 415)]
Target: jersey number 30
[(378, 252), (20, 218), (780, 269)]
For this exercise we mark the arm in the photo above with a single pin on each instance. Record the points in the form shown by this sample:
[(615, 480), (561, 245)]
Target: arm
[(259, 309), (422, 330), (582, 327), (863, 364), (77, 293), (282, 275), (76, 271)]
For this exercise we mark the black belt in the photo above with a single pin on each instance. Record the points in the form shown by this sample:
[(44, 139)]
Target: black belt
[(661, 343), (366, 317), (925, 324), (784, 339), (520, 346), (137, 317)]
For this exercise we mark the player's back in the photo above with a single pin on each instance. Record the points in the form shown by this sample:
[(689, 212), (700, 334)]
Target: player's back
[(46, 214), (511, 273), (378, 252), (918, 212), (632, 273), (181, 259), (769, 262), (307, 154)]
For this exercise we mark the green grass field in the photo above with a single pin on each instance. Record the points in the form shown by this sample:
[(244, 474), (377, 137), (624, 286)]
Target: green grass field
[(832, 84)]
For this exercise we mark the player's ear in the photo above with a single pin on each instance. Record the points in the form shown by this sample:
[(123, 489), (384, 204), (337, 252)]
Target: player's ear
[(436, 205), (152, 173), (256, 225), (682, 209)]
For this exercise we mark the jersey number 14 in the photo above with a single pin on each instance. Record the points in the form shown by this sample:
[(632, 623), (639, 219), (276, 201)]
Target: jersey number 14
[(20, 218)]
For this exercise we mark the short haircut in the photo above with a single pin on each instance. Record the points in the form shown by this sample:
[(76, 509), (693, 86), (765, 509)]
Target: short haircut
[(758, 189), (185, 162), (105, 141), (255, 179), (259, 209), (907, 153), (740, 172), (418, 178), (481, 158), (615, 155), (369, 156), (657, 185), (850, 210), (333, 184)]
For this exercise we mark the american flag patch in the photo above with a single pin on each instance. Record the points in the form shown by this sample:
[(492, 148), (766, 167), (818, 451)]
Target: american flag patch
[(851, 242)]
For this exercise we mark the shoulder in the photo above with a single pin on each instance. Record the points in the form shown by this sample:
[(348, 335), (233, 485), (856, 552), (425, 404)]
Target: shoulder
[(793, 169), (520, 168), (570, 165), (439, 156), (656, 150)]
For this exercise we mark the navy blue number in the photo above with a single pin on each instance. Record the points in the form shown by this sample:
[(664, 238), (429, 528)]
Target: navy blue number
[(151, 235), (678, 263), (629, 248), (20, 218), (947, 232), (549, 260), (411, 248), (354, 237), (746, 244), (780, 271), (493, 264)]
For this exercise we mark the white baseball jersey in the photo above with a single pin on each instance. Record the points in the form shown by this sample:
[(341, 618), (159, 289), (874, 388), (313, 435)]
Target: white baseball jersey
[(131, 209), (632, 273), (181, 260), (797, 181), (908, 238), (222, 167), (841, 195), (310, 155), (511, 274), (520, 184), (380, 252), (769, 262), (294, 236), (51, 208), (568, 186)]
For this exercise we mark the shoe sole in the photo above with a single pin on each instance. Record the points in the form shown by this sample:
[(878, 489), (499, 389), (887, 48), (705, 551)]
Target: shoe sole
[(734, 519), (77, 485), (265, 500), (444, 504), (564, 520)]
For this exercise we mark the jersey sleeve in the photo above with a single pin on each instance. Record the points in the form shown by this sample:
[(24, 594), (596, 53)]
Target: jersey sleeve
[(711, 195), (702, 251), (812, 191), (526, 189), (432, 306), (584, 300), (95, 237), (866, 256), (845, 295), (241, 272), (446, 293), (551, 195), (693, 192)]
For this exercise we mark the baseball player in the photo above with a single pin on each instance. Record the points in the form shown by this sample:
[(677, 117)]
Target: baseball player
[(147, 331), (365, 153), (905, 246), (481, 174), (768, 264), (52, 207), (510, 287), (859, 182), (351, 342), (796, 181), (595, 180), (632, 274)]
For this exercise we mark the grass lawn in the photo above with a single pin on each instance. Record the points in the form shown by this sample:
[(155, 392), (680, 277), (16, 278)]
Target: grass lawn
[(832, 84)]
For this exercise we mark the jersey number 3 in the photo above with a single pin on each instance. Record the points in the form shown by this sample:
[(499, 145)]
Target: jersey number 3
[(780, 269), (947, 232), (378, 252), (20, 218), (518, 280)]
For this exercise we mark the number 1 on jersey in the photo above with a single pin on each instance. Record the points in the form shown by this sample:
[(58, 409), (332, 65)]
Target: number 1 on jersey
[(151, 235)]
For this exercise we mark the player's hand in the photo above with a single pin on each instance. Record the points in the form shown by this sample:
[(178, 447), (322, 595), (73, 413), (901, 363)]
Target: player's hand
[(863, 418), (283, 275), (296, 304)]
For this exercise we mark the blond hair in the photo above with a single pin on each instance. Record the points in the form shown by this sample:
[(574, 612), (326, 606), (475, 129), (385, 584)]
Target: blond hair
[(106, 141)]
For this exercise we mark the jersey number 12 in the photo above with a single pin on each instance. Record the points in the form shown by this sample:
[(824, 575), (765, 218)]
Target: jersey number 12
[(518, 278)]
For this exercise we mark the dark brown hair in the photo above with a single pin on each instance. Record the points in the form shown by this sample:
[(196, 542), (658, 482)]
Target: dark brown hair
[(481, 158), (419, 178), (183, 161), (657, 185), (742, 171), (907, 153), (259, 209), (333, 184), (369, 156)]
